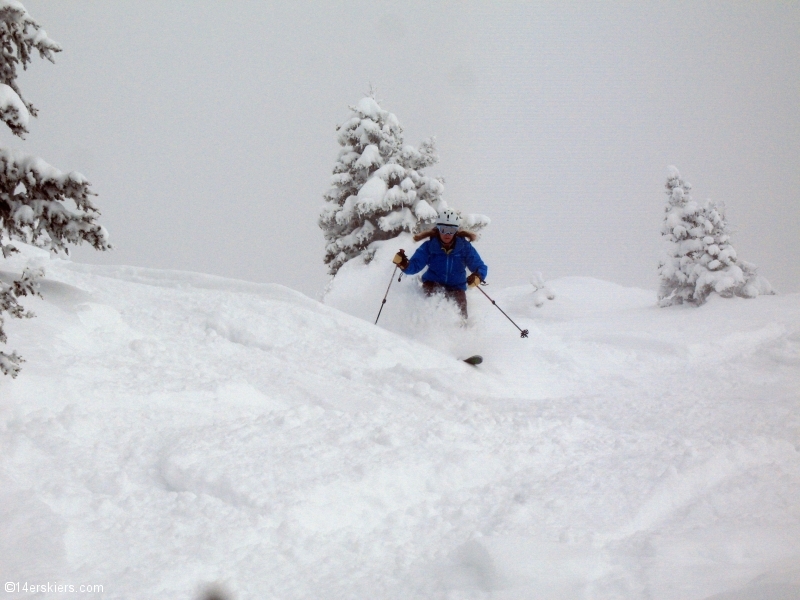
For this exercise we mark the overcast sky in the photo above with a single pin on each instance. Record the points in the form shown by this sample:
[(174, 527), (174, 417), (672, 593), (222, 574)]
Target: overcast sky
[(208, 128)]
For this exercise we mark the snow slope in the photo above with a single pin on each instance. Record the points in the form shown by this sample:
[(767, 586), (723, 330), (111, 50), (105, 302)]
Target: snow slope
[(173, 429)]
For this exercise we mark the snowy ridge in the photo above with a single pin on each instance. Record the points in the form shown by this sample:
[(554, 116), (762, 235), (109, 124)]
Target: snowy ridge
[(172, 429)]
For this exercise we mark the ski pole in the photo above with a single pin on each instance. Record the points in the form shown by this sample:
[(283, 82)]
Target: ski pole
[(387, 292), (522, 332)]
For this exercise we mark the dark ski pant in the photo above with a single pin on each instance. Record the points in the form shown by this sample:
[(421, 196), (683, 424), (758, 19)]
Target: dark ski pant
[(456, 295)]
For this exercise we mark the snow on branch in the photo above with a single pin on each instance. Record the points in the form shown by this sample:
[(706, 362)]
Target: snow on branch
[(26, 285), (13, 111), (42, 206), (20, 36)]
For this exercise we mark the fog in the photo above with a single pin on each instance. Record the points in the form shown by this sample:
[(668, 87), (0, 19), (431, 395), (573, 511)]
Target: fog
[(208, 128)]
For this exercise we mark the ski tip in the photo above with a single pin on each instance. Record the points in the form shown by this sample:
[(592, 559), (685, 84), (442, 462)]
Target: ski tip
[(474, 360)]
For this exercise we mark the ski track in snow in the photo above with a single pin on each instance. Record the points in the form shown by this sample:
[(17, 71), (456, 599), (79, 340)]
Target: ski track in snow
[(173, 429)]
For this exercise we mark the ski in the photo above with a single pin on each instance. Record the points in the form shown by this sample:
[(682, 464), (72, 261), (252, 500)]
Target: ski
[(474, 360)]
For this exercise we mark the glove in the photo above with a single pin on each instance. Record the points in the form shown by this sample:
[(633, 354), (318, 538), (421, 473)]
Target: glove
[(473, 280), (401, 260)]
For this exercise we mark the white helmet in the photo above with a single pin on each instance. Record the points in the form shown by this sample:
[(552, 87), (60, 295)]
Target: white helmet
[(449, 217)]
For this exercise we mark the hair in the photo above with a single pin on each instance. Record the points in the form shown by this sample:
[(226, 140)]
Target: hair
[(431, 233)]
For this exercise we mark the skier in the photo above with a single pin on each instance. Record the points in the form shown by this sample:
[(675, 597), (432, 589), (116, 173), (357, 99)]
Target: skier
[(447, 253)]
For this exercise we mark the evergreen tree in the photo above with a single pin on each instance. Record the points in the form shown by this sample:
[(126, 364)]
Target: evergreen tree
[(39, 204), (378, 190), (701, 259)]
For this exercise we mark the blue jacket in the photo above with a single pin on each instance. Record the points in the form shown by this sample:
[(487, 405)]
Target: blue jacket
[(447, 267)]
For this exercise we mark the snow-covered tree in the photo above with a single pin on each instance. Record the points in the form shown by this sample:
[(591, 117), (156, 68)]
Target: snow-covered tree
[(378, 189), (39, 204), (700, 258)]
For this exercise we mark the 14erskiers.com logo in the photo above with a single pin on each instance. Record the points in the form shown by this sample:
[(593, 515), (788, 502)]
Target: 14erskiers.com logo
[(51, 588)]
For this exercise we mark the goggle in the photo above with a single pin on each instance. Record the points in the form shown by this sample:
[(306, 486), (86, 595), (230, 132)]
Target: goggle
[(447, 229)]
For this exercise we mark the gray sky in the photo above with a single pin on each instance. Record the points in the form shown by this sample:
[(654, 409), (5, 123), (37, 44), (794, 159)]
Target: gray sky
[(208, 128)]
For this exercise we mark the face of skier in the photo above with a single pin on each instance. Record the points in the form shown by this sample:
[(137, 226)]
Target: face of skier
[(446, 233)]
